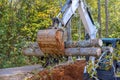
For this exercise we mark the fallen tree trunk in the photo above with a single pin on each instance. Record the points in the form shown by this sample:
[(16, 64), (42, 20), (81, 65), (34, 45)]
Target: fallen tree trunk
[(19, 73), (84, 43), (69, 51), (83, 51)]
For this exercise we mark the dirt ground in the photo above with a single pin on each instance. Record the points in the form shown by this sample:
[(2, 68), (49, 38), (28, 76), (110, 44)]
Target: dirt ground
[(72, 71)]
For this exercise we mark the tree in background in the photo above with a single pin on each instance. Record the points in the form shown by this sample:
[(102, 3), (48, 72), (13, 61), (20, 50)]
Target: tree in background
[(99, 17), (113, 20), (20, 21), (107, 18)]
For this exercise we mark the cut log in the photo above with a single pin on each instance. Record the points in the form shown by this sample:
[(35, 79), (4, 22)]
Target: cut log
[(85, 43), (83, 51), (68, 52), (32, 50), (110, 49)]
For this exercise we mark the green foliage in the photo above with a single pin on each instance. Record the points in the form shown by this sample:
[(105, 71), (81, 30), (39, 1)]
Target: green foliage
[(114, 13), (19, 22)]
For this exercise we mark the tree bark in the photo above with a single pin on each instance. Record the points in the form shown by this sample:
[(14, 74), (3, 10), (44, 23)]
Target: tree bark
[(32, 50), (107, 17), (110, 49), (83, 51), (99, 17), (19, 73), (85, 43), (74, 49)]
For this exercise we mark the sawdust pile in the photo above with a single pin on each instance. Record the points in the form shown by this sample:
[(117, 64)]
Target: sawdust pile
[(72, 71)]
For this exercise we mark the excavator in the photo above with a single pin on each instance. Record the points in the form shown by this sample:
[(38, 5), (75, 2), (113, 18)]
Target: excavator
[(56, 40)]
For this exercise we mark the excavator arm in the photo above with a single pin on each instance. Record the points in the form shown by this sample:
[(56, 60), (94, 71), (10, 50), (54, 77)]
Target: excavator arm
[(68, 10)]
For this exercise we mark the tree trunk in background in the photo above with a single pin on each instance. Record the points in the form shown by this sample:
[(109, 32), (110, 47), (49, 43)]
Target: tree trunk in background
[(107, 17), (99, 17)]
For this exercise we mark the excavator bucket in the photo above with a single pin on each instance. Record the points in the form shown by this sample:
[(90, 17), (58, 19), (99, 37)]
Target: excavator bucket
[(51, 41)]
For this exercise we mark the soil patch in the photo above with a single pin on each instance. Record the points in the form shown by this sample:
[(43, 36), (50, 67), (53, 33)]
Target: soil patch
[(72, 71)]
